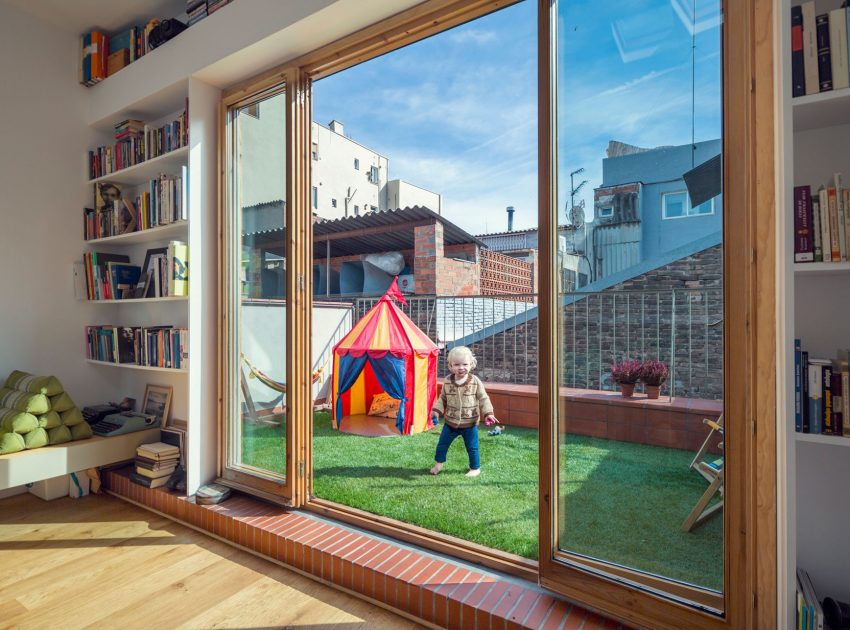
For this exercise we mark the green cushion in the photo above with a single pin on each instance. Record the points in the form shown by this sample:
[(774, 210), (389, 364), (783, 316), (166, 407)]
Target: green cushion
[(24, 401), (27, 382), (36, 438), (17, 421), (11, 443), (49, 420), (59, 435), (71, 417), (81, 431), (61, 403)]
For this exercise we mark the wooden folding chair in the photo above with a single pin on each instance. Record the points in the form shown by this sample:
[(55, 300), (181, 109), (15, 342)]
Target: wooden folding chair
[(713, 473)]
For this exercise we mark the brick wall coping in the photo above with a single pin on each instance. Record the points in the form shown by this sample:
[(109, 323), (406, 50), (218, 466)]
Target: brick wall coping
[(693, 405), (440, 591)]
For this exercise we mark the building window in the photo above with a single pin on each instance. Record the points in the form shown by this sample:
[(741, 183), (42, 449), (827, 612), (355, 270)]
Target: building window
[(373, 208), (333, 203), (356, 164), (315, 197), (373, 175), (252, 110), (677, 205), (607, 212), (315, 151), (356, 211)]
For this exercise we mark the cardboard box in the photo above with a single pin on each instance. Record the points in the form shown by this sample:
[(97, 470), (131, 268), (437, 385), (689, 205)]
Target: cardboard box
[(116, 61), (49, 489)]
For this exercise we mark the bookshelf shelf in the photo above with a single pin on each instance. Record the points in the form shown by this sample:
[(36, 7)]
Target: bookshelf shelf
[(814, 438), (818, 111), (178, 228), (181, 298), (147, 170), (133, 366), (819, 268)]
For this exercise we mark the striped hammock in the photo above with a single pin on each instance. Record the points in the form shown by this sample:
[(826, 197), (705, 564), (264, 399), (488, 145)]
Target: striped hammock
[(265, 379)]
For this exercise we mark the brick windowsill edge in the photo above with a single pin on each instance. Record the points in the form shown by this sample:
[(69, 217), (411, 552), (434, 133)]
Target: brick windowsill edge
[(416, 583)]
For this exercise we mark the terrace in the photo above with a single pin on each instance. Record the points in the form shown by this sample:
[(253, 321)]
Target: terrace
[(625, 471)]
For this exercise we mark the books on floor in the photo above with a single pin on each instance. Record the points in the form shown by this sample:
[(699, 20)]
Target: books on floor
[(154, 464)]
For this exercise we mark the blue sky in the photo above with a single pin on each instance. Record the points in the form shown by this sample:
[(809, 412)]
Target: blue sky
[(456, 113)]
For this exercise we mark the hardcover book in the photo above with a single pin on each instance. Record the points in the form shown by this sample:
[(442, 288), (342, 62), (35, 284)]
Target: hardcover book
[(824, 56), (838, 48), (810, 47), (798, 79), (803, 243)]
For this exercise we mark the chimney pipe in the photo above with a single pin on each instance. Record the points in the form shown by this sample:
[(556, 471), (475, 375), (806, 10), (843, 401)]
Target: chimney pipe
[(510, 218)]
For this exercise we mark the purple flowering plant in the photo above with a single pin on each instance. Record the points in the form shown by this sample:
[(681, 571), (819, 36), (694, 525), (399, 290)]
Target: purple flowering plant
[(626, 371)]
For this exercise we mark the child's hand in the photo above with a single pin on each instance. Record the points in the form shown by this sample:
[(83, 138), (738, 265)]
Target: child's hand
[(491, 419)]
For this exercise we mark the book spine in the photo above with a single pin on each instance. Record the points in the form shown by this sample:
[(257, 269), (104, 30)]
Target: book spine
[(834, 234), (845, 400), (798, 79), (798, 387), (823, 204), (824, 60), (826, 382), (816, 229), (810, 48), (837, 401), (838, 48), (804, 372), (803, 246), (815, 401)]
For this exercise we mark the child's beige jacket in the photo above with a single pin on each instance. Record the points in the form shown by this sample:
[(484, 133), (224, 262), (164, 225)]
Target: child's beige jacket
[(463, 406)]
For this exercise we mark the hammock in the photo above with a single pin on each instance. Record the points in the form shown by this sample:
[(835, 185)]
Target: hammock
[(269, 382)]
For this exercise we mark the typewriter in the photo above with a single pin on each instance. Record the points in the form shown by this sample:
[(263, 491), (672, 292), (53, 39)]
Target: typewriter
[(124, 422)]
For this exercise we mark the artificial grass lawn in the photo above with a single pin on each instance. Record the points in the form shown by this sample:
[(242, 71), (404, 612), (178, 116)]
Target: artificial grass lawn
[(624, 502)]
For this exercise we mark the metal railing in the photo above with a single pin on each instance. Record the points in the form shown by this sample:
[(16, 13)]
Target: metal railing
[(677, 326)]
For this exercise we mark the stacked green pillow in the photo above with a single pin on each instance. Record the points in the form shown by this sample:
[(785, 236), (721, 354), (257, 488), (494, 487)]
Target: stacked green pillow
[(35, 411)]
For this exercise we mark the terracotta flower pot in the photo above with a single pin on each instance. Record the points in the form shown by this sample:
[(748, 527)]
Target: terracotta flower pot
[(652, 391), (627, 389)]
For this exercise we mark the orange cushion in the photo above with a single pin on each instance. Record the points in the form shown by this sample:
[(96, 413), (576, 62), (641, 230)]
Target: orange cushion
[(384, 406)]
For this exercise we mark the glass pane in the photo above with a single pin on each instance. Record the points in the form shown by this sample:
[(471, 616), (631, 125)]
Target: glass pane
[(258, 438), (444, 135), (638, 122)]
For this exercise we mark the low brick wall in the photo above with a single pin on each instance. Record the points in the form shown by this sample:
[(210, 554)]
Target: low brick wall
[(677, 423)]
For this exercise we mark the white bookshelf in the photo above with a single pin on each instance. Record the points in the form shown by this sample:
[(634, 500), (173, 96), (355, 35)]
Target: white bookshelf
[(133, 366), (178, 229), (170, 298), (813, 305), (143, 172)]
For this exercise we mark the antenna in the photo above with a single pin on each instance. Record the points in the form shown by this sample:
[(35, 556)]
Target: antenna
[(574, 190)]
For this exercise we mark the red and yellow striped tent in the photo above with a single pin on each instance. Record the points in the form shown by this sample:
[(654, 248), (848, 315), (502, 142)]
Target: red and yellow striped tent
[(386, 352)]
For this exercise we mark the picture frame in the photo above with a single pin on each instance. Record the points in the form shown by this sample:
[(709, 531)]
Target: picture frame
[(157, 402), (148, 270), (175, 437)]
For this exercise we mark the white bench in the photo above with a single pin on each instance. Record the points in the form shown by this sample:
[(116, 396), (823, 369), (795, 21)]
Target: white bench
[(25, 467)]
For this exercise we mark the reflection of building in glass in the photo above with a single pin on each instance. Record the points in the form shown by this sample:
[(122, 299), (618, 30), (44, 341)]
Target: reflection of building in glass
[(643, 209)]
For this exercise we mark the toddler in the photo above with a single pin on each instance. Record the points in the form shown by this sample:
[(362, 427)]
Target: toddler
[(462, 403)]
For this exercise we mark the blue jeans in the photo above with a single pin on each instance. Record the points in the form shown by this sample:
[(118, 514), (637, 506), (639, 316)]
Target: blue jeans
[(470, 440)]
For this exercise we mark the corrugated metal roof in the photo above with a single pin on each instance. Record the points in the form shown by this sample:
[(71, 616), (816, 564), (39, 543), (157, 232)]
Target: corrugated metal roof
[(355, 235)]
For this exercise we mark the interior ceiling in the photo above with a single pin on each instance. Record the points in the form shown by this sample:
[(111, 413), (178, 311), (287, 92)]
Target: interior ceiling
[(79, 16)]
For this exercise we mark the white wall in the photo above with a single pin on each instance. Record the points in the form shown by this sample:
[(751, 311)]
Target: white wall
[(335, 177), (42, 175), (401, 194)]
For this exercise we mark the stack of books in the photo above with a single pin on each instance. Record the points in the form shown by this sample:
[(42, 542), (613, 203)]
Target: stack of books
[(822, 222), (215, 5), (820, 405), (154, 464), (196, 10)]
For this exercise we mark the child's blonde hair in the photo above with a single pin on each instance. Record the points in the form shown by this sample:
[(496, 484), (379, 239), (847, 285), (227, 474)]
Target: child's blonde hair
[(462, 352)]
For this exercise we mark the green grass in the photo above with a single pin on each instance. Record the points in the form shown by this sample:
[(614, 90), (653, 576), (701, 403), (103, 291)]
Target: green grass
[(624, 502)]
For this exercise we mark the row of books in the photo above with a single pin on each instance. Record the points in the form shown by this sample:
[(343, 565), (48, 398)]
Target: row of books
[(820, 56), (821, 393), (154, 464), (103, 55), (822, 223), (151, 346), (809, 610), (136, 142), (164, 201), (165, 273)]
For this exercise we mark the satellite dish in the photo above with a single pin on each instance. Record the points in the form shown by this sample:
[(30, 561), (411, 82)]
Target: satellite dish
[(577, 215)]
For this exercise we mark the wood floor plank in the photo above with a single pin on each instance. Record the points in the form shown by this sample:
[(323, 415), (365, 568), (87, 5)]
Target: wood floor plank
[(99, 562)]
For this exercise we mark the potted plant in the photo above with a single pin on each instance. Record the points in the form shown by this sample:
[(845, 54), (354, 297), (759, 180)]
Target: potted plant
[(654, 374), (626, 373)]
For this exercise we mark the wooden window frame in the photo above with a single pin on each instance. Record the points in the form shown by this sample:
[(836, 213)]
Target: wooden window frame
[(749, 294)]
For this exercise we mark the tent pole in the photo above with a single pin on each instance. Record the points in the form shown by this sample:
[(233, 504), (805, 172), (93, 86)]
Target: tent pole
[(327, 267)]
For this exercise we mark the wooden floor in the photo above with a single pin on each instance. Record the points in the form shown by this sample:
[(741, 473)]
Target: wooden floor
[(102, 563)]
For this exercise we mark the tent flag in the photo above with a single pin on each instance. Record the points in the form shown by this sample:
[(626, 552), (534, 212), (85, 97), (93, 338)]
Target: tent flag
[(395, 293)]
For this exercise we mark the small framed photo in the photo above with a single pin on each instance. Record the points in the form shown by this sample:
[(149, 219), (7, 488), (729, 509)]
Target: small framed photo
[(157, 402)]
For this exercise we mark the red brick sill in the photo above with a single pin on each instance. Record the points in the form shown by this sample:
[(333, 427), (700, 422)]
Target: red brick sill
[(414, 583)]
